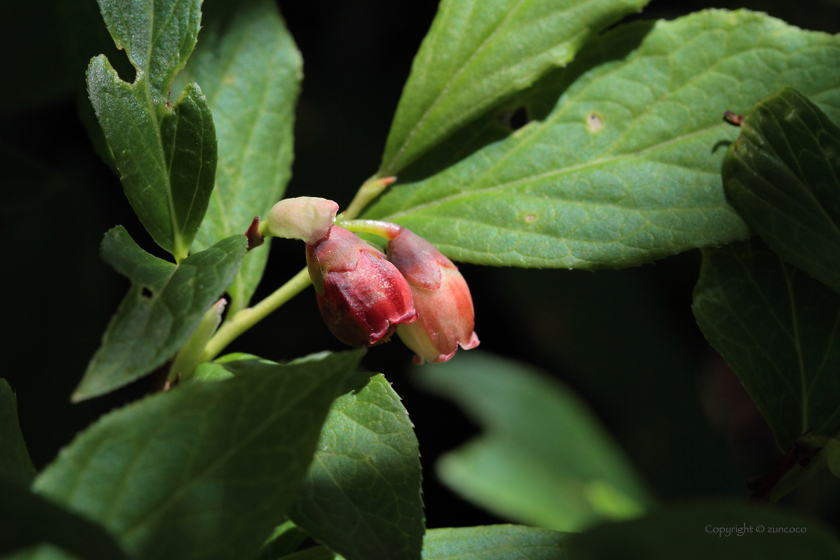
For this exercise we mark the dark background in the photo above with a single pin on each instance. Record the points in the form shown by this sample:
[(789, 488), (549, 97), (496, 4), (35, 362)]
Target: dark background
[(625, 340)]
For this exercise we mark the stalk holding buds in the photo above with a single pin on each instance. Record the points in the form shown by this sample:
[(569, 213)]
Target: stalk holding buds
[(446, 318), (361, 295)]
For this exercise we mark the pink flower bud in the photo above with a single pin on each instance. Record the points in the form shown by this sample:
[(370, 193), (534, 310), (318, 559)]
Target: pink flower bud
[(445, 316), (361, 295), (305, 217)]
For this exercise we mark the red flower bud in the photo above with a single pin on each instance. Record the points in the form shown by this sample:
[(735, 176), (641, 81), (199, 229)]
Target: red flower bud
[(361, 295), (445, 316)]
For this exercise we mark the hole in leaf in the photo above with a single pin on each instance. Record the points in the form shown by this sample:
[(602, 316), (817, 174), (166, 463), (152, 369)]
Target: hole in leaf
[(519, 118), (146, 292), (514, 119)]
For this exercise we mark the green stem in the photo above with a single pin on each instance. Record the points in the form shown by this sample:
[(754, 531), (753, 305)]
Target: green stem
[(247, 318), (383, 229), (366, 193)]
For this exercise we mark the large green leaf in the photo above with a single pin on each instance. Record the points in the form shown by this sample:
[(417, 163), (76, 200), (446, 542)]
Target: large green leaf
[(166, 155), (779, 329), (27, 519), (250, 70), (622, 165), (543, 458), (204, 471), (700, 532), (361, 497), (478, 53), (162, 308), (495, 542), (782, 177), (15, 464)]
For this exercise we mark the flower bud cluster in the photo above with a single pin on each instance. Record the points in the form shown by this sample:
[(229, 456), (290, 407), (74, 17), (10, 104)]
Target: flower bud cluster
[(365, 296)]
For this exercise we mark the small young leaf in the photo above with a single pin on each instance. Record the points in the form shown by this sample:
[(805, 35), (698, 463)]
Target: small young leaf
[(621, 165), (204, 471), (164, 305), (779, 330), (361, 497), (15, 464), (495, 542), (250, 70), (700, 532), (166, 156), (543, 459), (475, 55), (782, 177), (27, 519)]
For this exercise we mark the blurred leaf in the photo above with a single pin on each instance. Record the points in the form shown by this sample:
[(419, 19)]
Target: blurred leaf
[(473, 57), (250, 70), (693, 533), (27, 519), (210, 371), (204, 471), (162, 308), (42, 552), (15, 464), (543, 459), (361, 497), (622, 165), (782, 177), (166, 155), (779, 330), (495, 542)]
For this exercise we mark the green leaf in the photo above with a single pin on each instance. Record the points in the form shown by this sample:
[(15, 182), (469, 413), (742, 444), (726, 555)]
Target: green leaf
[(779, 330), (495, 542), (250, 70), (361, 497), (162, 308), (782, 177), (157, 35), (15, 463), (166, 156), (543, 458), (621, 165), (85, 36), (283, 541), (475, 55), (699, 532), (27, 519), (204, 471), (42, 552)]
